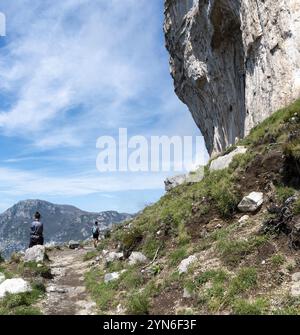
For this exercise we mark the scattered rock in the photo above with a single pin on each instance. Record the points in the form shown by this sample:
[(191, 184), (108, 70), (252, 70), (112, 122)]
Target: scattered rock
[(184, 265), (14, 286), (2, 277), (113, 276), (296, 277), (56, 289), (194, 176), (173, 182), (223, 162), (137, 257), (120, 309), (295, 288), (73, 245), (35, 254), (244, 219), (187, 294), (113, 256), (251, 202)]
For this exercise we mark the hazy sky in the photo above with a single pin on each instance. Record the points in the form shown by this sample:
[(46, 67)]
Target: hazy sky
[(74, 70)]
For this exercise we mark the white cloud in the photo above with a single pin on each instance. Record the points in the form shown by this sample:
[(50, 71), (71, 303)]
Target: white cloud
[(98, 61), (38, 184)]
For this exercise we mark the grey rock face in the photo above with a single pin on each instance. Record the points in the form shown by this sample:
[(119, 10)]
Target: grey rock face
[(234, 62), (35, 254), (223, 162)]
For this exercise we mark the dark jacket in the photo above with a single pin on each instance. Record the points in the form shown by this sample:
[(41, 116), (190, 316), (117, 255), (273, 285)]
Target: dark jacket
[(36, 228)]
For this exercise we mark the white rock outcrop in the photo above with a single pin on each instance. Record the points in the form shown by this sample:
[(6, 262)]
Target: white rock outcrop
[(14, 286), (251, 202), (234, 62), (35, 254), (223, 162)]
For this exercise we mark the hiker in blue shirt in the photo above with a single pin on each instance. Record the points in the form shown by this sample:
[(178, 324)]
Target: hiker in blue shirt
[(96, 234), (36, 231)]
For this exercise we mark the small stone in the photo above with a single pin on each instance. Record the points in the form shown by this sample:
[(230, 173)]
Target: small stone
[(73, 245), (251, 202), (55, 289), (187, 294), (263, 262), (184, 265), (244, 219), (113, 256), (137, 258), (113, 276), (295, 290)]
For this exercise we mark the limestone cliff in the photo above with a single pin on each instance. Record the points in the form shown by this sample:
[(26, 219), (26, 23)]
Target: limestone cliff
[(234, 62)]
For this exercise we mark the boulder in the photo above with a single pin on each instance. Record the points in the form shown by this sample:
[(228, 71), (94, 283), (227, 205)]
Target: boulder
[(137, 258), (184, 265), (74, 245), (251, 202), (194, 176), (2, 277), (223, 162), (14, 286), (109, 277), (35, 254), (173, 182), (113, 256)]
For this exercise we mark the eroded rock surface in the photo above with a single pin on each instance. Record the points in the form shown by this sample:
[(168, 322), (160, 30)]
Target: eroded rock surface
[(234, 62)]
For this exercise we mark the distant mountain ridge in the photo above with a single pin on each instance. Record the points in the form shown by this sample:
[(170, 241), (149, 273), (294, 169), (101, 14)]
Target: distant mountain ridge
[(61, 223)]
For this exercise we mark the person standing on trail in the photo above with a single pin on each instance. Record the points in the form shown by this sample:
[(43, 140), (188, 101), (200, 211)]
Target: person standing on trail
[(96, 234), (36, 231)]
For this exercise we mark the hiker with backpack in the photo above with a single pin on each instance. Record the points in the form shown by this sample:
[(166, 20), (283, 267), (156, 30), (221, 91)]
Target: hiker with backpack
[(96, 234), (36, 231)]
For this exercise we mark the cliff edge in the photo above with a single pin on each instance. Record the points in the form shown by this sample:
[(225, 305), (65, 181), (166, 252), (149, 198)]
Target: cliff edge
[(234, 62)]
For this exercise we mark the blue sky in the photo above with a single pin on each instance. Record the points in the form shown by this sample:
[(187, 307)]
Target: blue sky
[(74, 70)]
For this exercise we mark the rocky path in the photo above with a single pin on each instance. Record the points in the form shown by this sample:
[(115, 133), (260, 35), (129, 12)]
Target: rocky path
[(66, 293)]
